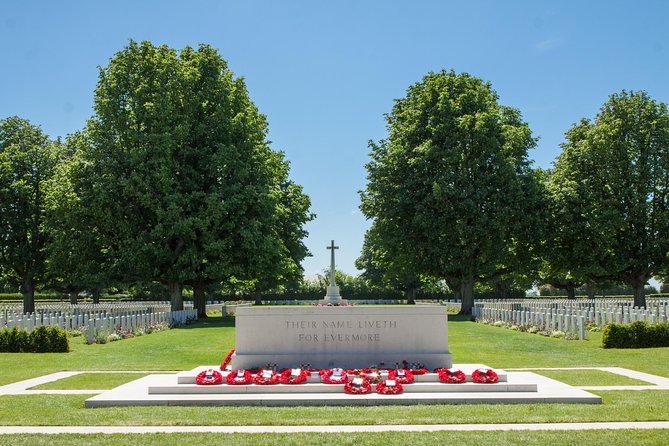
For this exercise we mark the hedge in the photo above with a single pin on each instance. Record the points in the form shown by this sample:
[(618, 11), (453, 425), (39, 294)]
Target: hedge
[(41, 340), (638, 334)]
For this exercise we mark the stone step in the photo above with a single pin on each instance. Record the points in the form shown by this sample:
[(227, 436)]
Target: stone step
[(188, 377), (415, 387), (136, 393)]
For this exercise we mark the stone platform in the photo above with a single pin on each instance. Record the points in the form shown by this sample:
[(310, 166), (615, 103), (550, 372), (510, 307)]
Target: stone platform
[(180, 390)]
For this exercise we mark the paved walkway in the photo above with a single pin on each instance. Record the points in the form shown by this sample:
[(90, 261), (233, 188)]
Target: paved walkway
[(24, 387), (656, 382), (321, 429)]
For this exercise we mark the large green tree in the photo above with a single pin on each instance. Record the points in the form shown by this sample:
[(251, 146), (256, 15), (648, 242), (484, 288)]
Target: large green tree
[(179, 179), (610, 189), (27, 161), (451, 190), (76, 258), (380, 270)]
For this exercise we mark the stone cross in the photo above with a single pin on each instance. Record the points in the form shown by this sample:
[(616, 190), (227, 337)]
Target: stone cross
[(332, 262)]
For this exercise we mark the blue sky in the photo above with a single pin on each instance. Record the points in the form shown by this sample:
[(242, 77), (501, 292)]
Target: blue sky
[(325, 73)]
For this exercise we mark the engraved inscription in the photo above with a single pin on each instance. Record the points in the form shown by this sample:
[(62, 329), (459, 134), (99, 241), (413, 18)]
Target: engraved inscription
[(339, 331)]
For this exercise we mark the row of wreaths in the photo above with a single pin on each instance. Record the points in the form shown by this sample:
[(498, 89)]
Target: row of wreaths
[(354, 381)]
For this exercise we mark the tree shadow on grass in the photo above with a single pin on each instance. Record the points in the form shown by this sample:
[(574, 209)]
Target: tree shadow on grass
[(459, 318), (210, 322)]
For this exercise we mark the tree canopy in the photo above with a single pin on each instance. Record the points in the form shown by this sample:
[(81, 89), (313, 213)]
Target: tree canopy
[(451, 190), (179, 182), (27, 161), (610, 190)]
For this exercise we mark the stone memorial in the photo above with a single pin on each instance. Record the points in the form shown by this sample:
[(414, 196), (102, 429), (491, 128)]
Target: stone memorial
[(341, 336), (332, 296), (336, 335)]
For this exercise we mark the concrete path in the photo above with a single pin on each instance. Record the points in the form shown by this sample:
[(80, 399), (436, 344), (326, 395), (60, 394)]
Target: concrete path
[(655, 382), (321, 429), (24, 387)]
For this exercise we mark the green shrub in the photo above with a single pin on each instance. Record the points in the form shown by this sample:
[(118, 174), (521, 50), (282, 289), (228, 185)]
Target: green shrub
[(100, 336), (57, 340), (17, 341), (40, 340), (638, 334), (4, 340)]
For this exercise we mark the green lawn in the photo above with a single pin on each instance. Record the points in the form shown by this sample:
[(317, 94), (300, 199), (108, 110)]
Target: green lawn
[(90, 381), (510, 438), (178, 349), (63, 410), (591, 378), (207, 342)]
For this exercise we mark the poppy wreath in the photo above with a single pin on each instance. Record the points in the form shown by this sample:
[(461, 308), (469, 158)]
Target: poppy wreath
[(384, 389), (287, 376), (264, 378), (372, 376), (209, 377), (484, 376), (421, 371), (227, 359), (449, 376), (239, 378), (351, 388), (329, 377), (402, 376)]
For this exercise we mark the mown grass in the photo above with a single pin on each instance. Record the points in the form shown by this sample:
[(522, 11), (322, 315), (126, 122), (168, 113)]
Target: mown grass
[(591, 378), (511, 438), (90, 381), (178, 349), (64, 410)]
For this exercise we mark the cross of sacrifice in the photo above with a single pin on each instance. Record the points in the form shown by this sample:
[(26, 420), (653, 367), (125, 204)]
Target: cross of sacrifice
[(332, 262)]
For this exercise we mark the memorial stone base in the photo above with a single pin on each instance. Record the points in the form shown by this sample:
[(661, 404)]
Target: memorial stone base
[(347, 337)]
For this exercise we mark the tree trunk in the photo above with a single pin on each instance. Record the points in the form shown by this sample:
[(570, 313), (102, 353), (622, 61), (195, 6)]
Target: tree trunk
[(590, 287), (96, 295), (467, 295), (571, 291), (410, 295), (639, 285), (28, 291), (176, 298), (73, 297), (257, 298), (456, 288), (200, 301)]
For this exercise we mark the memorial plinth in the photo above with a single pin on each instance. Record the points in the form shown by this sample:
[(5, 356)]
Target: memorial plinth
[(347, 337)]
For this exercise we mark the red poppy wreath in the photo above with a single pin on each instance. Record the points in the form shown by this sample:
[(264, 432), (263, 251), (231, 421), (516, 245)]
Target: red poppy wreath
[(389, 387), (209, 377), (358, 386), (293, 376), (334, 376), (266, 378), (449, 376), (227, 359), (239, 378), (484, 376)]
